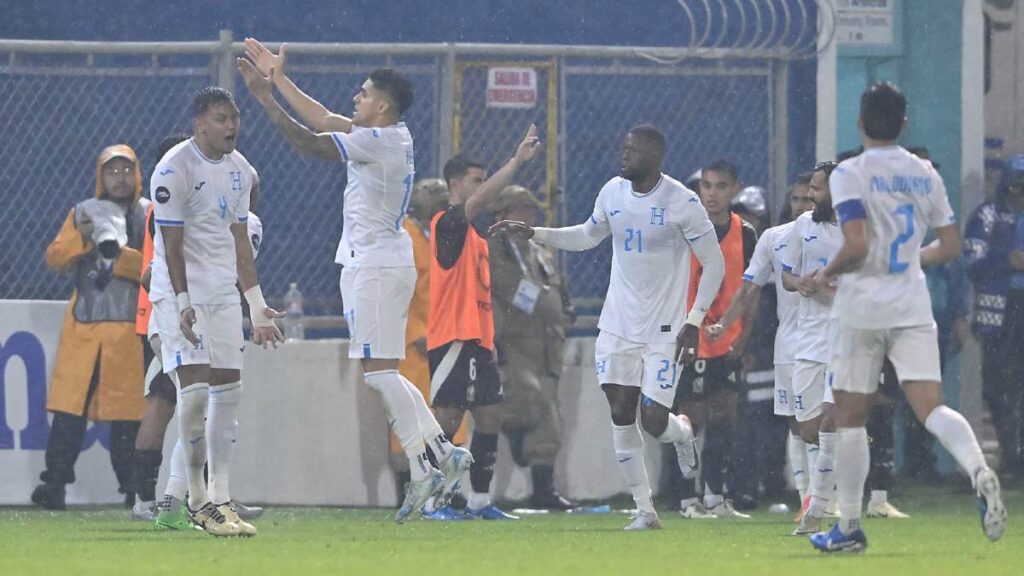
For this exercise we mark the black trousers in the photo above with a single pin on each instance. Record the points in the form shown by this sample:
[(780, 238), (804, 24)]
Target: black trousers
[(1002, 375)]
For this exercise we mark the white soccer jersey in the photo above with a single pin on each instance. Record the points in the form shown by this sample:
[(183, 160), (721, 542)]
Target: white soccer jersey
[(650, 278), (901, 196), (255, 227), (205, 197), (380, 179), (811, 246), (766, 266)]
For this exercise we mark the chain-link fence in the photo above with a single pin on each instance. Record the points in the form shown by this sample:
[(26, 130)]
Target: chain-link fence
[(61, 104)]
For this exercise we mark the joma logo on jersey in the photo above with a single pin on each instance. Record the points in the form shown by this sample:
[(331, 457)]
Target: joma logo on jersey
[(657, 216), (236, 181)]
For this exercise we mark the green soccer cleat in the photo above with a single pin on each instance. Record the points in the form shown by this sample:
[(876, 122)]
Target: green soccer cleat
[(172, 515)]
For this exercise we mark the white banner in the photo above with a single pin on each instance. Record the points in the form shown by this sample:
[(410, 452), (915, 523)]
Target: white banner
[(511, 88), (864, 22), (310, 431)]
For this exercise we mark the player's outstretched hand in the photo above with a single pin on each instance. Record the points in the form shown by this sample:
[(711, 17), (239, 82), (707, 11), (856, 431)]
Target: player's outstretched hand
[(512, 228), (529, 146), (185, 322), (265, 330), (686, 344), (263, 58), (259, 85)]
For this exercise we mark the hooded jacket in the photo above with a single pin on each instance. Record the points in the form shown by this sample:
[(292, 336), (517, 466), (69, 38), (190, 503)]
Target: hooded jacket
[(988, 240), (99, 322)]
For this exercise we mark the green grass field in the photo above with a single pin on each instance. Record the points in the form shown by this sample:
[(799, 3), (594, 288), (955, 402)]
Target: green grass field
[(943, 537)]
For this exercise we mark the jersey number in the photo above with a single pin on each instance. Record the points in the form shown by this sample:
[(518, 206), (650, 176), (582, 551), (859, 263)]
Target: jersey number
[(663, 382), (631, 235), (895, 266), (472, 369)]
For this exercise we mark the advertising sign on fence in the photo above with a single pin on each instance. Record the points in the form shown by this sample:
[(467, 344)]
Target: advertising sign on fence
[(511, 88)]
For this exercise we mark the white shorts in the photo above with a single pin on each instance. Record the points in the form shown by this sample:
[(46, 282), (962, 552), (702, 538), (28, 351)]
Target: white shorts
[(650, 367), (857, 355), (376, 302), (218, 327), (810, 389), (784, 390)]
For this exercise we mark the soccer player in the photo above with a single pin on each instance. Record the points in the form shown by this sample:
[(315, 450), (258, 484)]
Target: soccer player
[(708, 390), (766, 266), (813, 242), (460, 327), (379, 274), (645, 330), (887, 199), (201, 189)]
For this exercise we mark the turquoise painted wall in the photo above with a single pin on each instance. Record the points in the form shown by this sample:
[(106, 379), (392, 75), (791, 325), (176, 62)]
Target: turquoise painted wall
[(927, 66)]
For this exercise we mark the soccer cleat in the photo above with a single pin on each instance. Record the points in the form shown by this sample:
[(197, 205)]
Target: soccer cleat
[(446, 514), (644, 521), (417, 492), (686, 454), (805, 505), (212, 520), (144, 511), (490, 512), (231, 515), (835, 541), (833, 509), (247, 512), (696, 511), (808, 525), (172, 514), (990, 504), (724, 509), (883, 509), (453, 468), (49, 496)]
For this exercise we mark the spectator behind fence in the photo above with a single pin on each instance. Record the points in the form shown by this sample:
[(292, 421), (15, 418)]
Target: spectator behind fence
[(988, 249), (532, 311), (428, 198), (98, 371)]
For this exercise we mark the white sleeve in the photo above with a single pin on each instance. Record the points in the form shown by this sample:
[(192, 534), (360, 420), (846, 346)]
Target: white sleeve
[(847, 194), (709, 253), (169, 189), (581, 236), (695, 222), (759, 271), (255, 229), (361, 145), (793, 259)]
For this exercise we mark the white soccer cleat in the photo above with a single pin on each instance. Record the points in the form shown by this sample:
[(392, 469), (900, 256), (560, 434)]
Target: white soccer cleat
[(808, 525), (453, 469), (696, 511), (144, 511), (990, 504), (883, 509), (417, 492), (724, 509), (644, 521)]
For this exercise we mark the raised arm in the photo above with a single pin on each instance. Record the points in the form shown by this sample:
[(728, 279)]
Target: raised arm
[(312, 112), (301, 138), (488, 191)]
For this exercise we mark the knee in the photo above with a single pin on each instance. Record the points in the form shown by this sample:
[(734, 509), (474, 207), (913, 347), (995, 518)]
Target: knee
[(809, 431), (654, 419), (623, 414)]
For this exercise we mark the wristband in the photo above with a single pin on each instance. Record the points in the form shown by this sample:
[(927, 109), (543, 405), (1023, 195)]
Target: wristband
[(183, 300), (254, 296), (696, 317)]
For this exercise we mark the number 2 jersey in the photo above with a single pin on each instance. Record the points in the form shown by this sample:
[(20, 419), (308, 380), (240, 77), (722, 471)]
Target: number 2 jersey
[(901, 196)]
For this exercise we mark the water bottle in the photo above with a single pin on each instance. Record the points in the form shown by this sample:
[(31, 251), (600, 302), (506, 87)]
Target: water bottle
[(294, 322)]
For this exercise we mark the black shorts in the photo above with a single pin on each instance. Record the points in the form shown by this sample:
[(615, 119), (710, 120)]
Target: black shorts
[(463, 375), (707, 376), (162, 386)]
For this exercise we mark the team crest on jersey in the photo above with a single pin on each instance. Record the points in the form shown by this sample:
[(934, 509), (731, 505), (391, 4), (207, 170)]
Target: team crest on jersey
[(657, 216), (162, 195)]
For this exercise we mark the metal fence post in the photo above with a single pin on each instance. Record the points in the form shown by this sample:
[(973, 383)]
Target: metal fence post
[(446, 136), (226, 61), (779, 127)]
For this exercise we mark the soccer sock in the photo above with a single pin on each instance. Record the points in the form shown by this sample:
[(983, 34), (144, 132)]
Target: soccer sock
[(716, 458), (147, 469), (430, 430), (192, 404), (177, 479), (222, 434), (881, 444), (852, 451), (812, 461), (402, 413), (956, 436), (484, 448), (629, 451), (796, 451), (676, 430), (822, 481), (881, 496)]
